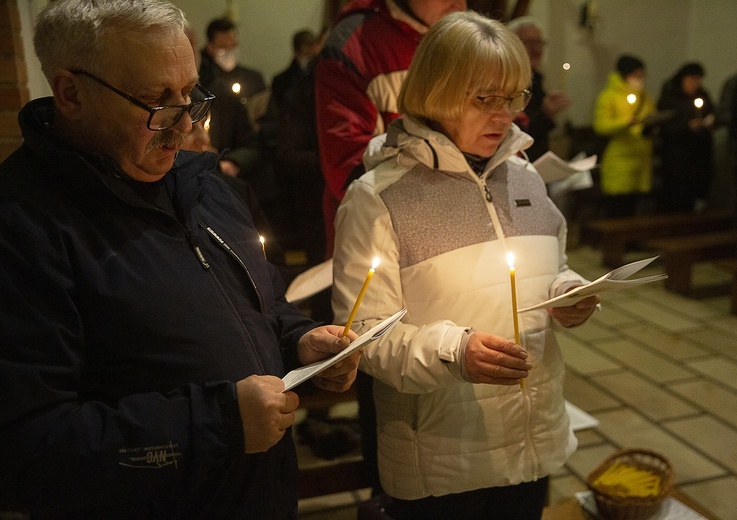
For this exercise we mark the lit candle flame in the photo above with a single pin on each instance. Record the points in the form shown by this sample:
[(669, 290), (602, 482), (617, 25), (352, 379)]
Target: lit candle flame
[(566, 66), (698, 102), (236, 88), (263, 244), (631, 98), (206, 124), (375, 263), (510, 260)]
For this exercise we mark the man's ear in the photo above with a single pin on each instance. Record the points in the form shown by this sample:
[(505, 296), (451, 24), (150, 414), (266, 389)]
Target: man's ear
[(67, 96)]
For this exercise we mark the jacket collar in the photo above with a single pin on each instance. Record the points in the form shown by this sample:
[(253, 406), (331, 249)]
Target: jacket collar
[(185, 178), (409, 141)]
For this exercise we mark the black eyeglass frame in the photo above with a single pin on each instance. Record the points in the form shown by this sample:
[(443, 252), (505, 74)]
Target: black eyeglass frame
[(209, 97), (526, 94)]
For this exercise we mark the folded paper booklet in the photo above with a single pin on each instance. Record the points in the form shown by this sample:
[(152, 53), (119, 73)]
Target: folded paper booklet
[(617, 279), (552, 168), (300, 375)]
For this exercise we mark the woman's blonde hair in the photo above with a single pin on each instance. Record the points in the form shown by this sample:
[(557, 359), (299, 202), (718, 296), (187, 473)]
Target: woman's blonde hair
[(462, 54)]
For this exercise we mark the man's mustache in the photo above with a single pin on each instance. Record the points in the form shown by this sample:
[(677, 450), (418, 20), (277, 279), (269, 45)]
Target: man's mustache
[(169, 138)]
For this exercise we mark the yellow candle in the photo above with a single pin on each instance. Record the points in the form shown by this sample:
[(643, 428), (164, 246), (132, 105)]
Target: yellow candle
[(370, 275), (263, 244), (515, 319)]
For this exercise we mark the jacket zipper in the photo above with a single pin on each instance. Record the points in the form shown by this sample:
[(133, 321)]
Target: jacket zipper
[(233, 254), (525, 393), (196, 248)]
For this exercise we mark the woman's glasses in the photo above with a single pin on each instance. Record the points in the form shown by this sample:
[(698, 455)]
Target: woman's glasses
[(512, 105)]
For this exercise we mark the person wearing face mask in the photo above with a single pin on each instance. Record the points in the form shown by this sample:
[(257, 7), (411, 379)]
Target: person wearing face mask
[(622, 114), (445, 198), (234, 126), (220, 60), (687, 153), (233, 84)]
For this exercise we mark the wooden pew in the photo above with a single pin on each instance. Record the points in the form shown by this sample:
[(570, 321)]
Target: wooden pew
[(730, 265), (343, 474), (680, 253), (616, 235)]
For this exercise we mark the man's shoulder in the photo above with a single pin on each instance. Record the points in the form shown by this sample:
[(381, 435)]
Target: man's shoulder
[(370, 23)]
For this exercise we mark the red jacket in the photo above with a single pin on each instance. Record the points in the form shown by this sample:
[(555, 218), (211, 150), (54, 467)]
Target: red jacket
[(357, 81)]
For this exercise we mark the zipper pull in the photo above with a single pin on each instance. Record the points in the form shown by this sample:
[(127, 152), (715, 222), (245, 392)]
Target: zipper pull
[(488, 193), (197, 251)]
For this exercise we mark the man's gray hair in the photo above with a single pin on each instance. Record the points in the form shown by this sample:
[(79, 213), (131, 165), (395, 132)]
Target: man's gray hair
[(69, 33)]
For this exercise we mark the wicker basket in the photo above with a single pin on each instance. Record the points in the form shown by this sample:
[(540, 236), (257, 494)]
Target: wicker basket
[(632, 508)]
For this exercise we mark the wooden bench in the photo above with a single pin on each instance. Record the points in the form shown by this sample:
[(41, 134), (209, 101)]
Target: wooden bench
[(616, 235), (343, 474), (730, 265), (680, 253)]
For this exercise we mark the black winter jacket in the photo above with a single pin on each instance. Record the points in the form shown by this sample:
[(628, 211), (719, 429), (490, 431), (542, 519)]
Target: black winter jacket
[(123, 330)]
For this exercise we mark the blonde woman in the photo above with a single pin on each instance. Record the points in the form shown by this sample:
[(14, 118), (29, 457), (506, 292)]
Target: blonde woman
[(445, 198)]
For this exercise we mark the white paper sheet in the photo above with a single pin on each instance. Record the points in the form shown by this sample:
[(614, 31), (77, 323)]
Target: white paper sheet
[(310, 282), (552, 168), (302, 374), (613, 280), (671, 509), (580, 420)]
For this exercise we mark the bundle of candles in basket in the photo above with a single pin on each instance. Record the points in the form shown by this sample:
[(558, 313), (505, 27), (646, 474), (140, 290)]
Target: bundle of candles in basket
[(624, 480)]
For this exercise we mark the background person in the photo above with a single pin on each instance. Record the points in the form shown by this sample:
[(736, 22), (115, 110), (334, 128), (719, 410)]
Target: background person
[(686, 142), (544, 106), (445, 198), (621, 112), (357, 82), (144, 335)]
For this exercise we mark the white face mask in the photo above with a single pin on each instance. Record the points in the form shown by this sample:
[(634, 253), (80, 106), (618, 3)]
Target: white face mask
[(226, 59), (636, 84)]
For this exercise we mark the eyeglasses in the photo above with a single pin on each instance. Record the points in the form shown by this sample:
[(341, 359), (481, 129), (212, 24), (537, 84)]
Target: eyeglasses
[(166, 116), (512, 105)]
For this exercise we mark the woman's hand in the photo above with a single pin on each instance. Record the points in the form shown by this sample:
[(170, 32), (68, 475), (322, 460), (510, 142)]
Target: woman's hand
[(575, 314)]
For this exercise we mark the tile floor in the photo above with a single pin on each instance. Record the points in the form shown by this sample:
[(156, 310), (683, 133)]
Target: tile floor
[(658, 370)]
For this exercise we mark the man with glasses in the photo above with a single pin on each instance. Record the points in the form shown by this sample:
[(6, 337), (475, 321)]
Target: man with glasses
[(538, 119), (143, 333)]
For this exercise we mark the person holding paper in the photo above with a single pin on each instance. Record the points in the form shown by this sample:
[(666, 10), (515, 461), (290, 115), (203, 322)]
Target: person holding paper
[(445, 197), (621, 112), (144, 335), (687, 143)]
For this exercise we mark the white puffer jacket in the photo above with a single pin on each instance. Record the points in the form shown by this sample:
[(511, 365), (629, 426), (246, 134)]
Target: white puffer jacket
[(442, 234)]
